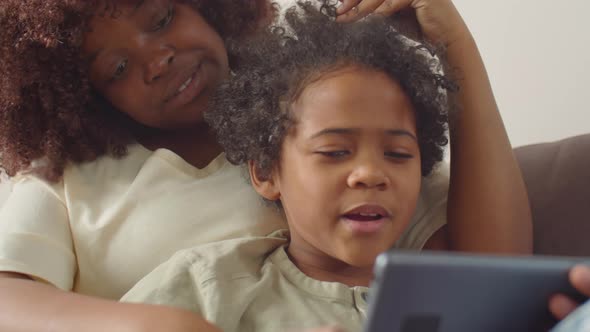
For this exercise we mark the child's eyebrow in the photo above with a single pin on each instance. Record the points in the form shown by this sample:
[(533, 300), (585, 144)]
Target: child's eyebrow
[(334, 131), (401, 132), (353, 131)]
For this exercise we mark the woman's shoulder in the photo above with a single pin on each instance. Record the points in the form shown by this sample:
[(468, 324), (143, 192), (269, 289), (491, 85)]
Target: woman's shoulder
[(109, 166), (87, 178)]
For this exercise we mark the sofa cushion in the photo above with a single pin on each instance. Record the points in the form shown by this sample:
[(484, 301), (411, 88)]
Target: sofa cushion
[(557, 176)]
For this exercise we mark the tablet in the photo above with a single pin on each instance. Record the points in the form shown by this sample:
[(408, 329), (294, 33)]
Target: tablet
[(450, 292)]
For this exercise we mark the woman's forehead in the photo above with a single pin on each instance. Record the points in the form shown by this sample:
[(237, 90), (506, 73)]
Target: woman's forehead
[(116, 7)]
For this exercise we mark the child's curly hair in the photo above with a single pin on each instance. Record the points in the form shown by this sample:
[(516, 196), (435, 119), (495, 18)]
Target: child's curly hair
[(248, 112), (48, 110)]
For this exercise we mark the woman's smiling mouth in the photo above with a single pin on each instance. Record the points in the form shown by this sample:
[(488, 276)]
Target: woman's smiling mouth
[(189, 89), (184, 85)]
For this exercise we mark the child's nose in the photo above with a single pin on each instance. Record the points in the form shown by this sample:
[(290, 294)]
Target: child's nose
[(368, 175)]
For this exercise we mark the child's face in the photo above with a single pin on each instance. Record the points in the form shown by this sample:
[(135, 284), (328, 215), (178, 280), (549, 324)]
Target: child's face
[(156, 60), (350, 169)]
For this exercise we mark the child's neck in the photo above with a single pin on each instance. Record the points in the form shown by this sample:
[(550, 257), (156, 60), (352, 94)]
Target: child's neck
[(320, 266)]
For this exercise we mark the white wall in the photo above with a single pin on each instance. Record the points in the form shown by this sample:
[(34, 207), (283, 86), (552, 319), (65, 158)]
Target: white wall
[(537, 53)]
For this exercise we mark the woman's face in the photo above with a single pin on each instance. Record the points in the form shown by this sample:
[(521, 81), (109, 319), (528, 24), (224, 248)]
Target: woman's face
[(155, 60)]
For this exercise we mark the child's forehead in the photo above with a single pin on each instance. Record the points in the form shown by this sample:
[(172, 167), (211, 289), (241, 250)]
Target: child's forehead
[(341, 83), (353, 97), (313, 79)]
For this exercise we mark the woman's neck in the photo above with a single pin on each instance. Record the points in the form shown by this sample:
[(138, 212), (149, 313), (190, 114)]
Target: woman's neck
[(197, 145), (321, 266)]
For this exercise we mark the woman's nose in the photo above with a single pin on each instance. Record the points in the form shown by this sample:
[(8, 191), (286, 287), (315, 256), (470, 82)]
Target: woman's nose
[(368, 175), (159, 64)]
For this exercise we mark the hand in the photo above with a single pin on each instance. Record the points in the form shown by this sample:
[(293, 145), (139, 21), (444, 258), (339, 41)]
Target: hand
[(439, 20), (561, 305), (155, 318), (325, 329)]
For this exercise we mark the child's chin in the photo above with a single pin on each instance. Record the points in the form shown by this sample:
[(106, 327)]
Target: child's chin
[(362, 260)]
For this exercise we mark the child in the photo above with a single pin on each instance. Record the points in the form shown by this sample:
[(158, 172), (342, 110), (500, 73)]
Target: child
[(338, 125)]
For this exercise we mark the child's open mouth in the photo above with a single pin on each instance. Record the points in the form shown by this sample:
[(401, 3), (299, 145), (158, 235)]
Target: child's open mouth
[(363, 216), (366, 218)]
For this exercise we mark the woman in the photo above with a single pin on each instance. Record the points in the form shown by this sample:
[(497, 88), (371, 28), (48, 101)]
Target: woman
[(101, 118)]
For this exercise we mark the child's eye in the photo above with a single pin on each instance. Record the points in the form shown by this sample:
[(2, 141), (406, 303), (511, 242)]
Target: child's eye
[(120, 70), (398, 155), (335, 154), (166, 19)]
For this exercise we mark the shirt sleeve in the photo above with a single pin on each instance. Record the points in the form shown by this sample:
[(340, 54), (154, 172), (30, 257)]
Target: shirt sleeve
[(35, 235), (172, 284), (5, 187), (431, 211)]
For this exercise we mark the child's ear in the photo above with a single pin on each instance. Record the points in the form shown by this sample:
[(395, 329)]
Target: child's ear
[(265, 186)]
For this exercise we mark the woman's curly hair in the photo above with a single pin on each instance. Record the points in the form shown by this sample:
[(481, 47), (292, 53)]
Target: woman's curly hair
[(248, 112), (48, 109)]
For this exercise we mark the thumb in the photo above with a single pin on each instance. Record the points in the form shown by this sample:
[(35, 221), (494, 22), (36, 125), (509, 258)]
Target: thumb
[(561, 306)]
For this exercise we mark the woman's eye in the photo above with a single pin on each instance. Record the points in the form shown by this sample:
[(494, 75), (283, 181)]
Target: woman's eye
[(335, 154), (165, 21), (120, 70), (398, 155)]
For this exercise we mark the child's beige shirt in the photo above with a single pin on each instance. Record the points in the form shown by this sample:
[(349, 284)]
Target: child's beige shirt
[(250, 284)]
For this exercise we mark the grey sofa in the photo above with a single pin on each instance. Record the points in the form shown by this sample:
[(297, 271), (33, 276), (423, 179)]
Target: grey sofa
[(557, 176)]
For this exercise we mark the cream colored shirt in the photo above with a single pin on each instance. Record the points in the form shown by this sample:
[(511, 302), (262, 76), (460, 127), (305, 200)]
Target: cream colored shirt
[(248, 285), (110, 222)]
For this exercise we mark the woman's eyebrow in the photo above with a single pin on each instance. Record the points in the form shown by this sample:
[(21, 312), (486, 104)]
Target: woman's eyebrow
[(137, 6), (92, 57)]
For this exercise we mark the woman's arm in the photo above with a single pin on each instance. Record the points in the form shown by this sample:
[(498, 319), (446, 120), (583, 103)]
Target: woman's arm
[(30, 306), (488, 208)]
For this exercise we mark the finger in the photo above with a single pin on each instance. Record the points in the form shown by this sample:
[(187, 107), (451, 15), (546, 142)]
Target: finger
[(346, 6), (580, 278), (330, 329), (388, 7), (359, 11), (561, 306)]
